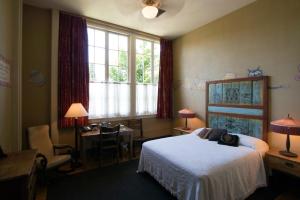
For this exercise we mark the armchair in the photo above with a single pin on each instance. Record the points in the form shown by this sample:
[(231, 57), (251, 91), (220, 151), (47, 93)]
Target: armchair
[(38, 137)]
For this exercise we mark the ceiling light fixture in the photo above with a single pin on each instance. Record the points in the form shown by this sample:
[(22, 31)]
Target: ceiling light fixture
[(149, 12)]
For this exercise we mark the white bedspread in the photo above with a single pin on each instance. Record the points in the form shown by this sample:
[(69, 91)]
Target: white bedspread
[(193, 168)]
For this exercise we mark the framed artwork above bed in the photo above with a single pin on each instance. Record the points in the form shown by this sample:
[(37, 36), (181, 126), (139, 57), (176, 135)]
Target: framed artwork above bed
[(238, 105)]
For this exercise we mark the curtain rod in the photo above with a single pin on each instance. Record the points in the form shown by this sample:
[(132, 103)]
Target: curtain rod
[(112, 25)]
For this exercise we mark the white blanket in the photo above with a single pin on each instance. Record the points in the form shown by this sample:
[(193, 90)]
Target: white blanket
[(193, 168)]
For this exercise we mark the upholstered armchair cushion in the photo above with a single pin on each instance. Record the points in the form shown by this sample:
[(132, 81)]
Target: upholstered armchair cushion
[(39, 139), (56, 160)]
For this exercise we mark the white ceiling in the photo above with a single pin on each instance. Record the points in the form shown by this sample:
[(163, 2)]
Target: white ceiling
[(182, 16)]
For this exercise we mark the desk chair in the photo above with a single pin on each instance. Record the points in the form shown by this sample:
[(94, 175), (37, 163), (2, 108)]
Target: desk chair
[(109, 141), (139, 138)]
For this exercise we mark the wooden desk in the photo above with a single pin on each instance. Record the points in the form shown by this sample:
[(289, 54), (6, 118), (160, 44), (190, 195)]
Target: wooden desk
[(183, 131), (94, 135), (17, 175)]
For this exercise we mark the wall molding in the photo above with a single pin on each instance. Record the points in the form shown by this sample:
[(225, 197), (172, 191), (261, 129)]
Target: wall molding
[(16, 139), (54, 76)]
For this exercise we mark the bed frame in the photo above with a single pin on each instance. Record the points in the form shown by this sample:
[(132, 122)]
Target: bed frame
[(239, 105)]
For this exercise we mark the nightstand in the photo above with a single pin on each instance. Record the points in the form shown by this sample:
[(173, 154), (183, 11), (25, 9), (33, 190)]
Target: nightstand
[(282, 163), (183, 131)]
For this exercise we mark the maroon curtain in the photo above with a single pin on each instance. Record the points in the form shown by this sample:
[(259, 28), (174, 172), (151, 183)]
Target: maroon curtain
[(73, 71), (165, 83)]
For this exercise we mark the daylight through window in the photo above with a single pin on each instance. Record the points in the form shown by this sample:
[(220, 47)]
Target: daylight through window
[(122, 82)]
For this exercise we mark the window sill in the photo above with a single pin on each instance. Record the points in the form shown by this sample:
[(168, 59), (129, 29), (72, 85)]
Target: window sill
[(95, 120)]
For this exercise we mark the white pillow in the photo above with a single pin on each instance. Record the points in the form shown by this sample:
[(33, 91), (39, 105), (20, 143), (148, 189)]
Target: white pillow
[(257, 144), (197, 131)]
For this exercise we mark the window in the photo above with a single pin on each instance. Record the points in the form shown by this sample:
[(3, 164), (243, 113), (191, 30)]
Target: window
[(118, 58), (118, 89), (147, 68)]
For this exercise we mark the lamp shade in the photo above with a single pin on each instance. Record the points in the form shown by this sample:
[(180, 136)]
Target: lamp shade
[(76, 110), (186, 113), (286, 125), (149, 12)]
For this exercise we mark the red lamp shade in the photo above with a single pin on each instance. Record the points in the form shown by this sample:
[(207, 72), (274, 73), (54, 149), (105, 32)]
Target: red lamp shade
[(186, 113), (287, 126)]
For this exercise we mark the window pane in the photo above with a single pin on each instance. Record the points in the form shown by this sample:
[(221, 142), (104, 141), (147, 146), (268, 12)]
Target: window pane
[(143, 46), (146, 99), (99, 55), (113, 41), (109, 100), (91, 36), (147, 47), (156, 68), (147, 70), (123, 74), (99, 73), (156, 49), (113, 57), (99, 38), (139, 68), (123, 59), (156, 62), (116, 74), (123, 43), (91, 55), (139, 46), (92, 72)]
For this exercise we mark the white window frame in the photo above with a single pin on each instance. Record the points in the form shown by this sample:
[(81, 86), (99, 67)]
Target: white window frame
[(131, 66), (106, 48)]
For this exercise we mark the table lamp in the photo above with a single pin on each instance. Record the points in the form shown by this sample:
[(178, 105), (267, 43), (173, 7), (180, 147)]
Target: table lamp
[(186, 113), (76, 110), (288, 126)]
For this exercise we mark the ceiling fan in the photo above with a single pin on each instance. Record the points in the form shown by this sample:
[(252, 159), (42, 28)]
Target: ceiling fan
[(152, 9)]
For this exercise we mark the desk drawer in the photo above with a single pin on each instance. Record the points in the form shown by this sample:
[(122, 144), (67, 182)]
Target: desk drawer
[(284, 165)]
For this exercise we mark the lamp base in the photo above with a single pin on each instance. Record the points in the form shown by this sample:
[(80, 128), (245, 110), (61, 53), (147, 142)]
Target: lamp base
[(186, 128), (288, 154)]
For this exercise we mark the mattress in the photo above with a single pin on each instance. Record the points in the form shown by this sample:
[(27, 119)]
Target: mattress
[(193, 168)]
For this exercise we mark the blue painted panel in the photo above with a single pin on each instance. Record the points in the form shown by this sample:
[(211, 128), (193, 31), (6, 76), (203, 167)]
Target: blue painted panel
[(226, 92), (246, 92), (213, 120), (235, 93), (255, 128), (219, 93), (251, 127), (211, 93), (257, 92), (222, 122), (232, 110)]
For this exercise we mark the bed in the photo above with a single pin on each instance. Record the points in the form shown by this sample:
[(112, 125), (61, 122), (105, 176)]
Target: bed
[(193, 168)]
